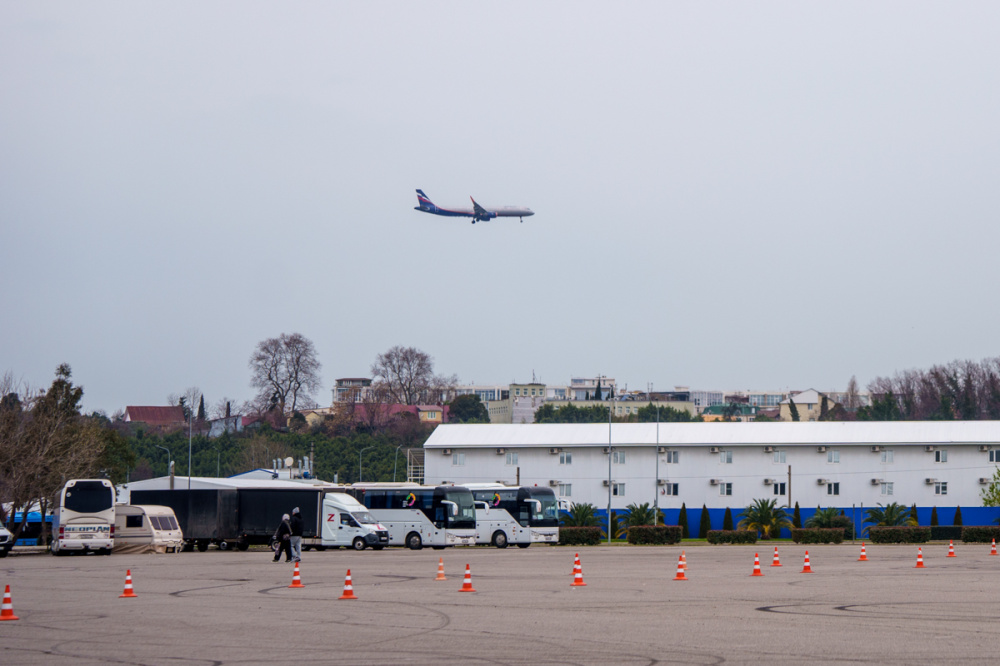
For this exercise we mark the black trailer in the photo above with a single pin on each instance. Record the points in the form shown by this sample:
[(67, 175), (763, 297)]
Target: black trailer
[(205, 516), (260, 511)]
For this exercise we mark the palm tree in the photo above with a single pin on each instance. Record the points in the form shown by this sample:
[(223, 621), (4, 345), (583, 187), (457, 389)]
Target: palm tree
[(641, 514), (765, 517), (831, 517), (890, 515), (581, 515)]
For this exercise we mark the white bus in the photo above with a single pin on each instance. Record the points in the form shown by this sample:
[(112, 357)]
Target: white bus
[(520, 515), (418, 516), (84, 517)]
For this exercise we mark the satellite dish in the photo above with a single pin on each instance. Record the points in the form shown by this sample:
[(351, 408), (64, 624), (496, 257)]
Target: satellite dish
[(289, 461)]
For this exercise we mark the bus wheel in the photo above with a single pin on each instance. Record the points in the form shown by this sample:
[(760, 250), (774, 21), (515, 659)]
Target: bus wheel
[(358, 543), (104, 551), (243, 544), (202, 546), (499, 539), (413, 541), (523, 545)]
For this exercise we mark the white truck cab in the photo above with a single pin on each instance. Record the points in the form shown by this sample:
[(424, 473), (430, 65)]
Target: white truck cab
[(347, 522)]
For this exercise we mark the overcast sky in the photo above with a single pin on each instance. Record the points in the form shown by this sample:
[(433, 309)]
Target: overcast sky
[(727, 195)]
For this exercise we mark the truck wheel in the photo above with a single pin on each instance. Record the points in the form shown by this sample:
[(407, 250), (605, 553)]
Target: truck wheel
[(202, 546), (358, 543), (523, 545), (377, 547), (243, 545), (223, 545), (499, 539), (413, 541), (188, 547), (320, 548)]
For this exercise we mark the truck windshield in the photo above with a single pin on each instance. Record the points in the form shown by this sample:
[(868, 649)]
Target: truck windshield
[(364, 517), (89, 497)]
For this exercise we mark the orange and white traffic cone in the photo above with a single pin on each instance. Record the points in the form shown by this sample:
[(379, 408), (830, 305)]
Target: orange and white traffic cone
[(756, 566), (467, 583), (951, 549), (129, 592), (7, 609), (680, 569), (993, 550), (296, 579), (777, 561), (440, 575), (684, 560), (863, 558), (805, 567), (348, 588), (577, 574), (920, 559), (576, 565)]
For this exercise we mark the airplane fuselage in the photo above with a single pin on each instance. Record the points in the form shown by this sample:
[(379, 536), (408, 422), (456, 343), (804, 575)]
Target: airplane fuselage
[(478, 213)]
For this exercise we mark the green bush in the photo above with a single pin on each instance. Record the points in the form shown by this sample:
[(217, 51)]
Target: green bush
[(946, 532), (980, 533), (903, 534), (654, 534), (580, 536), (732, 536), (818, 535)]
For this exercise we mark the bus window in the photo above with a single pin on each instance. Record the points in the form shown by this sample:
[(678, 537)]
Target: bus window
[(89, 497)]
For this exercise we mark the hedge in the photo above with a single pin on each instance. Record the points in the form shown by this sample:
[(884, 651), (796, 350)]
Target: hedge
[(902, 534), (654, 534), (946, 532), (980, 533), (580, 536), (732, 536), (818, 535)]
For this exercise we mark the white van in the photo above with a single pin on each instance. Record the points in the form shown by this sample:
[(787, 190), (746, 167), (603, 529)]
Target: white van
[(347, 522), (147, 529)]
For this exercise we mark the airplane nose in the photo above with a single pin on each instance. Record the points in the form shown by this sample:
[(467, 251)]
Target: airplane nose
[(529, 213)]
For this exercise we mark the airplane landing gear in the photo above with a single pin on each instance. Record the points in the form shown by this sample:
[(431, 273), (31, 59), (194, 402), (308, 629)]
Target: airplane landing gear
[(473, 221)]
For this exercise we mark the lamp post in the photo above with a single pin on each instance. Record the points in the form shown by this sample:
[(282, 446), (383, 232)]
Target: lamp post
[(168, 455), (656, 486), (361, 453), (394, 461), (190, 427), (610, 450)]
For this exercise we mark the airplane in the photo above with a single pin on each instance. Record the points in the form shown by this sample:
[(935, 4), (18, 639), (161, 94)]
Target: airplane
[(477, 213)]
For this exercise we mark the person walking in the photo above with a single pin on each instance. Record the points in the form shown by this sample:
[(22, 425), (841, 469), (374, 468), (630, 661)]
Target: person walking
[(283, 536), (295, 525)]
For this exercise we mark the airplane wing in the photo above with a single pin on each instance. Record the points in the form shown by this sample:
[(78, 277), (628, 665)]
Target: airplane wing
[(479, 210)]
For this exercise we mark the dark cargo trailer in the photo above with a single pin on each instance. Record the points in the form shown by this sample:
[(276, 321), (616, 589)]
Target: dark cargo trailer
[(205, 516), (260, 511)]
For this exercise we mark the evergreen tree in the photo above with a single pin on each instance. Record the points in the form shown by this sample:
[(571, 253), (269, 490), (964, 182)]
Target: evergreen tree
[(201, 408), (934, 518), (793, 410), (228, 409), (796, 517), (727, 520), (706, 523), (682, 520), (913, 513), (958, 516)]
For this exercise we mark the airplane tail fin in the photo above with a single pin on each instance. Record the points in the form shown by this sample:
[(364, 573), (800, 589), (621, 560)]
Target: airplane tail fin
[(423, 200)]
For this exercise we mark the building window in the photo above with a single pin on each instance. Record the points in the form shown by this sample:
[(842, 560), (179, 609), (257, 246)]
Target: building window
[(726, 488), (779, 457), (886, 488), (618, 457), (565, 490), (458, 459), (994, 456), (941, 455), (887, 457), (833, 456), (726, 457), (565, 458), (671, 489), (941, 488), (833, 488), (779, 489), (512, 457), (618, 489), (517, 391), (672, 457)]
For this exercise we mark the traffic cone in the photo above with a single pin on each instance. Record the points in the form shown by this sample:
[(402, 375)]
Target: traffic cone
[(576, 565), (680, 569), (440, 575), (951, 549), (129, 592), (684, 560), (577, 574), (756, 566), (296, 580), (348, 588), (806, 568), (776, 562), (863, 558), (7, 610), (467, 583), (920, 559), (993, 550)]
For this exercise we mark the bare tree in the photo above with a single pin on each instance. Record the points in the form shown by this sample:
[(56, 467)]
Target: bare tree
[(851, 398), (285, 371), (224, 408), (407, 375)]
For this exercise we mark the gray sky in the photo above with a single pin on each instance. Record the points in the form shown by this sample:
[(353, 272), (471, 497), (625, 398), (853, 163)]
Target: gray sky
[(727, 195)]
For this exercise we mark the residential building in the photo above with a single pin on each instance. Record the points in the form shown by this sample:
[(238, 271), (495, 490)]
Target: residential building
[(352, 389), (808, 404), (157, 417)]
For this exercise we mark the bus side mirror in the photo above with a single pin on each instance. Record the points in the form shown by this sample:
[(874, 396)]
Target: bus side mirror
[(454, 507), (484, 506)]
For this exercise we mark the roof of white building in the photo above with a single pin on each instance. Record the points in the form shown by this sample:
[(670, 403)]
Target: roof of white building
[(715, 434)]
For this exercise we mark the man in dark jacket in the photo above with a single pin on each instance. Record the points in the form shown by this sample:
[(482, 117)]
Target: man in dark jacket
[(296, 527), (282, 536)]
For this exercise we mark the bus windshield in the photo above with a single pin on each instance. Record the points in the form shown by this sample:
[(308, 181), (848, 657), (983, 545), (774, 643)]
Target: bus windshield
[(544, 512), (466, 509), (89, 497)]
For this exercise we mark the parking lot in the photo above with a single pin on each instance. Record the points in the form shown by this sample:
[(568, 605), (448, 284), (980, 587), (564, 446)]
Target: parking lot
[(235, 608)]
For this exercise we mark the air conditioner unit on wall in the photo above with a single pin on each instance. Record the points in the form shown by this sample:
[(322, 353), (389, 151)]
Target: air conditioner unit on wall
[(929, 481), (768, 482), (715, 482), (875, 482), (605, 482), (553, 482), (984, 480), (446, 452), (555, 449), (821, 449), (661, 449), (984, 447), (714, 449), (768, 449), (500, 452), (928, 449), (607, 449), (662, 482), (876, 449), (822, 482)]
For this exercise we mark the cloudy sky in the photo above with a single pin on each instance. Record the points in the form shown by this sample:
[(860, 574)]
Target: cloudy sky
[(727, 195)]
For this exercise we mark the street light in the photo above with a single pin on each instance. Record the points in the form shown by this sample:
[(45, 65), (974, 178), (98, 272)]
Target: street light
[(394, 461), (168, 455), (360, 453), (610, 450), (190, 427), (656, 486)]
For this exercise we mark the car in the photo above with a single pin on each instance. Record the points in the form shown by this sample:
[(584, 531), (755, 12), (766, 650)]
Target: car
[(6, 541)]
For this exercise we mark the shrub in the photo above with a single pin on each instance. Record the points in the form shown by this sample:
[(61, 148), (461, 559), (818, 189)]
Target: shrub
[(946, 532), (934, 518), (732, 536), (654, 534), (818, 535), (727, 520), (980, 533), (905, 534), (580, 536)]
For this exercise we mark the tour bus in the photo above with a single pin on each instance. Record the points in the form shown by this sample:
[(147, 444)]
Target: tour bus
[(418, 516), (521, 515), (83, 518)]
